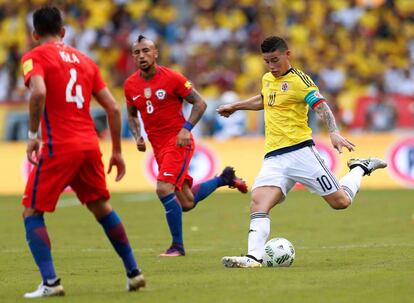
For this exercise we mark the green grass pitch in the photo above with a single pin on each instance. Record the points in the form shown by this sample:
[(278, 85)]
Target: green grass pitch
[(362, 254)]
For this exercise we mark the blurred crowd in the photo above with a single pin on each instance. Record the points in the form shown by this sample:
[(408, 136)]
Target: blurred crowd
[(351, 48)]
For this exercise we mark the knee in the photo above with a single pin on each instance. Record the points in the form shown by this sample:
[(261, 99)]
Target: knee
[(255, 205), (341, 203), (187, 203), (163, 190), (28, 212), (99, 208), (187, 208)]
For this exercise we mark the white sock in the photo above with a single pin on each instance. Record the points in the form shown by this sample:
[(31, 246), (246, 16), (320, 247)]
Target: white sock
[(351, 182), (258, 234)]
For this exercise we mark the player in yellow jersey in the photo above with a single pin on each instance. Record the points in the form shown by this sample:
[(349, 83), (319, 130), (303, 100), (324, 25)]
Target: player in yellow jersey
[(290, 154)]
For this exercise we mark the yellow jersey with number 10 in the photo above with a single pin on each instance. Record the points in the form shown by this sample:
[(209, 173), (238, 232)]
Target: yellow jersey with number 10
[(286, 100)]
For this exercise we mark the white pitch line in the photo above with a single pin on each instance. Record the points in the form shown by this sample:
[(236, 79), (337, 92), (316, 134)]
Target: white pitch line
[(200, 249)]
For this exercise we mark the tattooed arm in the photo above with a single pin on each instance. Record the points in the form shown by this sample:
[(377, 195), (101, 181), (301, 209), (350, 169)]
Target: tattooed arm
[(135, 127), (199, 107), (337, 140)]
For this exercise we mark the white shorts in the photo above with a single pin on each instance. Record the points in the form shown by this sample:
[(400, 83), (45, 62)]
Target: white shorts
[(304, 165)]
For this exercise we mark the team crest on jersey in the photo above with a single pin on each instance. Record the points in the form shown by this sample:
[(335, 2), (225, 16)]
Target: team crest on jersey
[(147, 92), (160, 93), (284, 87)]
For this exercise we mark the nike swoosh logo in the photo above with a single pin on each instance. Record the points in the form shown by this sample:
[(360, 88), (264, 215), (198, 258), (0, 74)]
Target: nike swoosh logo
[(167, 174), (136, 97)]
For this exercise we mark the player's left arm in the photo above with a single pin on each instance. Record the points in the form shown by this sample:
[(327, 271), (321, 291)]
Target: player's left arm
[(197, 111), (36, 107), (337, 140)]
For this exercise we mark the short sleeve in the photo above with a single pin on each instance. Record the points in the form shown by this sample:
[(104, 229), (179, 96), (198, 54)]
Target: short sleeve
[(31, 67), (183, 87), (98, 82), (310, 92), (314, 97), (127, 94)]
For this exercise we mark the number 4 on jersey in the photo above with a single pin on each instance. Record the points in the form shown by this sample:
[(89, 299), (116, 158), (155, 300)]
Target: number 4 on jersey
[(78, 97)]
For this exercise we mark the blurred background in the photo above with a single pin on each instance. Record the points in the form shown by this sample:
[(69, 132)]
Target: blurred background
[(359, 52)]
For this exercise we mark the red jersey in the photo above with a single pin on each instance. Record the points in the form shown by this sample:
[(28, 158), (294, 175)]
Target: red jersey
[(159, 101), (71, 78)]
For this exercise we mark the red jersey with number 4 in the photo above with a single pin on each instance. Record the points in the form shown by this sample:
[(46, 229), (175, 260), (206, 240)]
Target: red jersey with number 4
[(159, 101), (71, 78)]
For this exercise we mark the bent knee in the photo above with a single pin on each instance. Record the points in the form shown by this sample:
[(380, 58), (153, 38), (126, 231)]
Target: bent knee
[(340, 203)]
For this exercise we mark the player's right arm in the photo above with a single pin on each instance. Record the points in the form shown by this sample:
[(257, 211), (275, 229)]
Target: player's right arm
[(36, 107), (253, 103), (107, 101), (337, 140), (135, 127)]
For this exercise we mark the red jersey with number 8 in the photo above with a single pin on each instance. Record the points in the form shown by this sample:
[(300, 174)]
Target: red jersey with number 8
[(71, 78), (159, 101)]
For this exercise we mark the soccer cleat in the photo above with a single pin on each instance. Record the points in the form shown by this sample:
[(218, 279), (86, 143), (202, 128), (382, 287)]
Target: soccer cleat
[(135, 283), (230, 178), (368, 165), (175, 250), (45, 290), (241, 262)]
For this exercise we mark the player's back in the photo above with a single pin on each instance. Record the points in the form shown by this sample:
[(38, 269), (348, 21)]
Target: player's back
[(70, 78)]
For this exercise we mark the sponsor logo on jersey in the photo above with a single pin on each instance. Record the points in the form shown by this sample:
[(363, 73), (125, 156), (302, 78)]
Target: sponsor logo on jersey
[(284, 87), (27, 66), (160, 94), (147, 92), (135, 97), (401, 158), (188, 84)]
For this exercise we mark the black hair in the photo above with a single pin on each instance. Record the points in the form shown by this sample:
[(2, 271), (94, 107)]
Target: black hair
[(273, 43), (47, 20), (141, 37)]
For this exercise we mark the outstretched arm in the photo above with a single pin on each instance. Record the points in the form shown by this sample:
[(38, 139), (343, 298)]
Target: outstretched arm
[(197, 111), (107, 101), (135, 127), (337, 140), (253, 103)]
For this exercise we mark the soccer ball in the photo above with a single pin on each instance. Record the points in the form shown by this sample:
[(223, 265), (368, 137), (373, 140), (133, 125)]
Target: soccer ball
[(278, 252)]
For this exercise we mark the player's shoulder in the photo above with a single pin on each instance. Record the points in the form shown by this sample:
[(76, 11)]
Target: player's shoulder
[(34, 52), (163, 70), (301, 78), (132, 78)]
